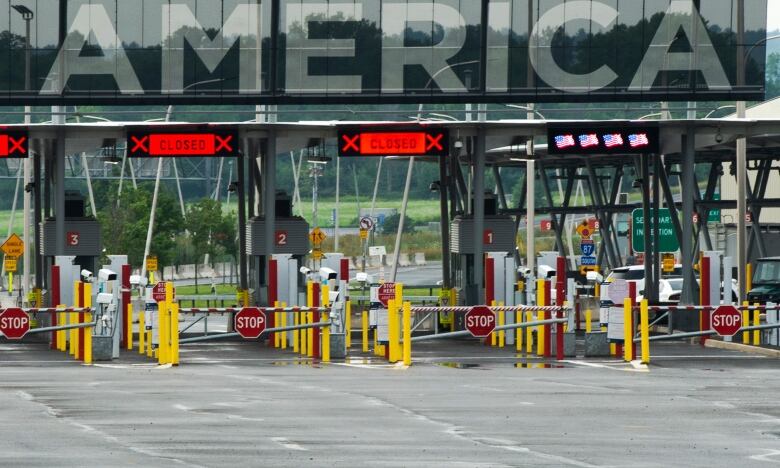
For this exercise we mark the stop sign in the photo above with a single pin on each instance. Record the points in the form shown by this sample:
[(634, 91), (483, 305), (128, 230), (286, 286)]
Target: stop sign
[(726, 320), (480, 321), (386, 293), (14, 323), (250, 322)]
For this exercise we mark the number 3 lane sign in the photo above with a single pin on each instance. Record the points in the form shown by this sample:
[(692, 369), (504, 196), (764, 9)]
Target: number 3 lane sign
[(73, 238)]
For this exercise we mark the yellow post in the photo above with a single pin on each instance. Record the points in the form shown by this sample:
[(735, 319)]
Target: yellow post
[(295, 333), (588, 318), (745, 323), (325, 336), (644, 323), (519, 331), (364, 320), (453, 301), (284, 324), (392, 330), (309, 320), (628, 337), (10, 281), (529, 333), (162, 332), (173, 325), (494, 335), (748, 277), (141, 332), (74, 332), (88, 340), (540, 317), (130, 326), (501, 322), (62, 342), (407, 345), (756, 322), (277, 321), (87, 302), (348, 324), (376, 344), (597, 290)]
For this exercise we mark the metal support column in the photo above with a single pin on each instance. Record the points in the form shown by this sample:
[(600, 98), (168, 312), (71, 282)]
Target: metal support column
[(59, 195), (653, 296), (551, 204), (651, 224), (269, 196), (479, 211), (688, 183), (444, 221), (243, 267), (37, 144)]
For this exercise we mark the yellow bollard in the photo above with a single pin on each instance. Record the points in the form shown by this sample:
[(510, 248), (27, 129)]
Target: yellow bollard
[(501, 322), (748, 277), (364, 320), (325, 336), (540, 316), (277, 336), (644, 323), (392, 338), (150, 351), (407, 344), (588, 318), (62, 342), (519, 331), (453, 302), (141, 332), (175, 334), (74, 332), (628, 337), (309, 320), (295, 333), (376, 344), (529, 333), (348, 324), (494, 335), (284, 324), (88, 340), (162, 332), (597, 290), (130, 326), (745, 323), (756, 322)]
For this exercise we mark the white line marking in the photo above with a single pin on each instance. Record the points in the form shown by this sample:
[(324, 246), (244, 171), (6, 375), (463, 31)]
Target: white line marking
[(767, 457), (284, 442)]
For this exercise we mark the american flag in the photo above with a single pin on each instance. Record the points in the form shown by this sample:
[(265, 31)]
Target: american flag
[(588, 140), (613, 139), (638, 140), (564, 141)]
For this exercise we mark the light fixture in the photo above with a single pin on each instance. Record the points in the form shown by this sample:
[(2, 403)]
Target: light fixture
[(108, 151), (718, 137)]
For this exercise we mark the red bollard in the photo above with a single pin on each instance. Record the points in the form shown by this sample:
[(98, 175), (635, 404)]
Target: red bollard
[(490, 290), (704, 296), (632, 296)]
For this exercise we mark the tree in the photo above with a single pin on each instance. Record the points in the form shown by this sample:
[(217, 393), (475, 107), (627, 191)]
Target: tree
[(124, 227), (211, 231)]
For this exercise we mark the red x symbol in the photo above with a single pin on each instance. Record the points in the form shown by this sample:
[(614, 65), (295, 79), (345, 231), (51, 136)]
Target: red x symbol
[(434, 143), (139, 144), (350, 143), (16, 145), (223, 143)]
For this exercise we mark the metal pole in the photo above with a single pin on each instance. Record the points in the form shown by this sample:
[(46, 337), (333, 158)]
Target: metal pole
[(404, 203), (37, 213), (741, 162), (28, 244), (269, 198), (150, 228), (178, 187), (687, 181), (243, 271), (651, 223), (85, 167), (444, 219), (59, 196), (336, 217), (479, 211)]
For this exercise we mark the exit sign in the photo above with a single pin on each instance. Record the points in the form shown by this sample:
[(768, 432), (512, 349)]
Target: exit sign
[(668, 241)]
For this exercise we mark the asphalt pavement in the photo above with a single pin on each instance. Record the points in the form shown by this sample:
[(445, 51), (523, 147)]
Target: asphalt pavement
[(237, 403)]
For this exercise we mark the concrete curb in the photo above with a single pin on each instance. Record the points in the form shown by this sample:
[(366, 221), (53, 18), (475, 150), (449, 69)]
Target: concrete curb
[(775, 353)]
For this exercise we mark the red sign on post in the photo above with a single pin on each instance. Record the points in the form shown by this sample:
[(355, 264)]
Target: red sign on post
[(280, 237), (726, 320), (546, 225), (480, 321), (14, 323), (386, 293), (250, 322), (73, 238), (158, 292), (487, 237)]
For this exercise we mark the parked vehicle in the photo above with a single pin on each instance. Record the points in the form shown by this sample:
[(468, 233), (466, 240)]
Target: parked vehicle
[(766, 281)]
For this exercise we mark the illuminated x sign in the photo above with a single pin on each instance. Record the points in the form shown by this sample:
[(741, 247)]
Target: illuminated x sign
[(602, 140), (182, 142), (14, 144), (397, 142)]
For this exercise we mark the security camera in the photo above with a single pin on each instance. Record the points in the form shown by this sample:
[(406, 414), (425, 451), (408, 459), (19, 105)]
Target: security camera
[(718, 137), (525, 271), (305, 270), (105, 274), (327, 273), (458, 143), (86, 275)]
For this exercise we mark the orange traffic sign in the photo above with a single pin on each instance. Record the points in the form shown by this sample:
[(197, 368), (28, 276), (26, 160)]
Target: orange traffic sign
[(13, 246), (316, 236)]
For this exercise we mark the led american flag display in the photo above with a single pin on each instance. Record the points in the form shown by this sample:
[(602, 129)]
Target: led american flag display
[(589, 139), (612, 140), (638, 140), (564, 141)]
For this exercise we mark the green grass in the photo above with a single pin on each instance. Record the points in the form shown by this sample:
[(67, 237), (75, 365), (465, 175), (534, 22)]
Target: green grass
[(205, 289), (18, 225)]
